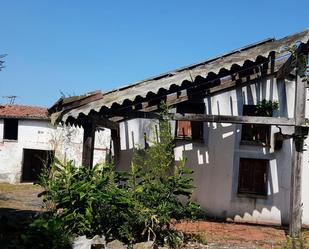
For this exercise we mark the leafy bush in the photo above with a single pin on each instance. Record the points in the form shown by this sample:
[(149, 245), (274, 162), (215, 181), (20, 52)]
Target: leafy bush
[(130, 206), (44, 232)]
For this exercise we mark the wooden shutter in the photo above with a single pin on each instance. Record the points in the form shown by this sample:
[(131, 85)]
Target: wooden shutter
[(245, 176), (260, 177), (254, 132), (188, 129), (252, 177), (184, 129)]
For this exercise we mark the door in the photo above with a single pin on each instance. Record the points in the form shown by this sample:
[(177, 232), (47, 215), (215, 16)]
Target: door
[(33, 163)]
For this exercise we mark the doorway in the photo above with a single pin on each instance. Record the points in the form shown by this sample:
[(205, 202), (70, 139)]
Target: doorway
[(33, 163)]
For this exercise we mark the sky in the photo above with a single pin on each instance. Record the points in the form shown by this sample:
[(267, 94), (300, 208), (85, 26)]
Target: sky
[(63, 47)]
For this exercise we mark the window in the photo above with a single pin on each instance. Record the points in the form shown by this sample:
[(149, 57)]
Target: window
[(10, 131), (252, 178), (256, 133), (190, 129)]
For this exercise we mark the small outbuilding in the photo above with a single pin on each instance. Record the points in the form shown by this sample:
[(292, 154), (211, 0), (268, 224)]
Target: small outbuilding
[(28, 142), (240, 118)]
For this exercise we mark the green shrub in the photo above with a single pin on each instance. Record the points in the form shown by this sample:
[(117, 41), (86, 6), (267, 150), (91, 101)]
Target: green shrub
[(130, 206), (44, 232)]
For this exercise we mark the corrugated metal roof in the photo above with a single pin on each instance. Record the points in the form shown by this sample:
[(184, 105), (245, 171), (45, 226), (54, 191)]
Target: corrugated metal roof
[(23, 112), (177, 77)]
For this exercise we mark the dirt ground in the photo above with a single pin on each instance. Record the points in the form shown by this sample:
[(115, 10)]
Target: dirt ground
[(18, 204), (20, 196), (231, 235), (20, 200)]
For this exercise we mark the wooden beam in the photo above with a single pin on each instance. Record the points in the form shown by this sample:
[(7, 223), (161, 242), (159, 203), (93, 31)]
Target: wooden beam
[(77, 101), (115, 136), (288, 66), (226, 83), (217, 118), (178, 97), (88, 143), (118, 116), (103, 122), (297, 159), (234, 119)]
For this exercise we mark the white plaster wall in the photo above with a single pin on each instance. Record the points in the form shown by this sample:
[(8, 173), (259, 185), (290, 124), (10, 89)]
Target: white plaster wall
[(1, 131), (215, 161), (41, 135), (132, 136), (32, 134), (305, 174)]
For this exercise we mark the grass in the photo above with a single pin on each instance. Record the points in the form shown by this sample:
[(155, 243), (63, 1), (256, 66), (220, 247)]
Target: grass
[(19, 196), (299, 243), (7, 187)]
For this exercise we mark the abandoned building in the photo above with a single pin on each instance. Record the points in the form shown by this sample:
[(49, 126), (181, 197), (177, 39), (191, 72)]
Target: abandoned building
[(239, 118), (28, 142)]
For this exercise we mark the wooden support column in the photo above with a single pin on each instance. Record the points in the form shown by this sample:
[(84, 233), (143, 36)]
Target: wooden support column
[(295, 221), (88, 143), (116, 145)]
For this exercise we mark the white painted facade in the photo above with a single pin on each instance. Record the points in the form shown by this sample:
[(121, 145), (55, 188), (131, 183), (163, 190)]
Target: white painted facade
[(215, 161), (66, 142)]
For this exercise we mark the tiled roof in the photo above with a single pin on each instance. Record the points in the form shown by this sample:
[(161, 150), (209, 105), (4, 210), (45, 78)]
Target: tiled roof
[(23, 112), (183, 78)]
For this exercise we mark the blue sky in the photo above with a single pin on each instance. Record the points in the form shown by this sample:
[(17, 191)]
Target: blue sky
[(80, 46)]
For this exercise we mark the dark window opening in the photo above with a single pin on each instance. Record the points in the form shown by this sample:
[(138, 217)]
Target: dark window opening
[(252, 178), (10, 130), (190, 129), (257, 133), (33, 163)]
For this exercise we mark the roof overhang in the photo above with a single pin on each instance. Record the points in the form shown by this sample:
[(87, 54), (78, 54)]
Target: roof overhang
[(210, 71)]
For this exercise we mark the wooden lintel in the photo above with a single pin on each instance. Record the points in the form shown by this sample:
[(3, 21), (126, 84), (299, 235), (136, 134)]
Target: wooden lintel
[(234, 119)]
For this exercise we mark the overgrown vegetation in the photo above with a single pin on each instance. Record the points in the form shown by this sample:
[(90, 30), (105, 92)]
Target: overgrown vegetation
[(297, 243), (133, 206)]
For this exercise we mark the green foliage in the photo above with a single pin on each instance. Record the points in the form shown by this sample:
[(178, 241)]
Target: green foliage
[(88, 201), (130, 206), (195, 237), (44, 232), (266, 107), (296, 243), (158, 184)]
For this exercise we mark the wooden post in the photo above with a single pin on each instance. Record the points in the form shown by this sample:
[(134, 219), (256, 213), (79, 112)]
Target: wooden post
[(297, 158), (88, 143), (116, 145)]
